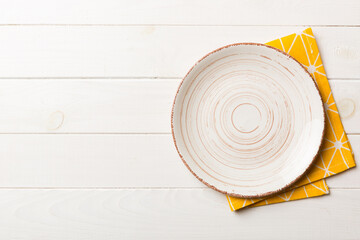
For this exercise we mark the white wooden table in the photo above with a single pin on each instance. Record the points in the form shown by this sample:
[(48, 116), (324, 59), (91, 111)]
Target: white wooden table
[(86, 89)]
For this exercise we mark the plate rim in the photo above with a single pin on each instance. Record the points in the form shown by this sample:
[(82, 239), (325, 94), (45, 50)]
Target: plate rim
[(266, 194)]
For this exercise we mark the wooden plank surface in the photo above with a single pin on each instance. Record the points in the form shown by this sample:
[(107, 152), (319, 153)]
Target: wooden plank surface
[(347, 98), (106, 160), (86, 106), (178, 12), (86, 89), (149, 51), (171, 214), (115, 105)]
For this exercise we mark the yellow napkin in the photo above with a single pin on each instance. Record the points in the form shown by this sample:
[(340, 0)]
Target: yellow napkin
[(335, 154)]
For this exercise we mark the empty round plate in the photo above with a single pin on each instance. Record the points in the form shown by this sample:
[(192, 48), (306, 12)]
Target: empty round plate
[(248, 120)]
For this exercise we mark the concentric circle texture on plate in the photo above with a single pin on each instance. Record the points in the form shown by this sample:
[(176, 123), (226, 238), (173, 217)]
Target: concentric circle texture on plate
[(248, 120)]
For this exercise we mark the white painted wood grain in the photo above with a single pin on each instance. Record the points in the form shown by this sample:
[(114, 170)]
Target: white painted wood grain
[(105, 160), (149, 51), (86, 106), (171, 214), (347, 98), (67, 53), (203, 12), (91, 161), (115, 105)]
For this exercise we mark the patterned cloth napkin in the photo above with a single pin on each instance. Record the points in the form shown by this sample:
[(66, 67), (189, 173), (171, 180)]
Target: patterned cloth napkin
[(335, 154)]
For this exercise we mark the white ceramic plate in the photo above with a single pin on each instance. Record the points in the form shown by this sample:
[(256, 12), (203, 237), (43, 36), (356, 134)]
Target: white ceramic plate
[(248, 120)]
